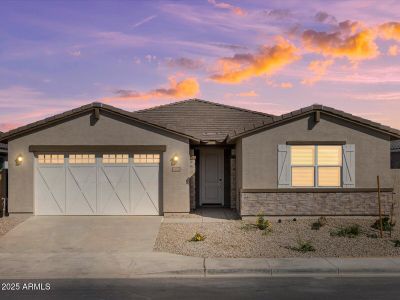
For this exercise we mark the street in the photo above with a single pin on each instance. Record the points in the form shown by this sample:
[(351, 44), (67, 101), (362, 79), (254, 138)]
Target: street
[(207, 288)]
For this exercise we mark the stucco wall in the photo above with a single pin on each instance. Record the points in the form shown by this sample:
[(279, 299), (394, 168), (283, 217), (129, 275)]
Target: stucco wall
[(259, 151), (107, 131)]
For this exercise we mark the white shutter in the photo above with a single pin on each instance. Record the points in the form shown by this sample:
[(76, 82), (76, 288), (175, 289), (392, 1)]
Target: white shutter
[(284, 177), (349, 166)]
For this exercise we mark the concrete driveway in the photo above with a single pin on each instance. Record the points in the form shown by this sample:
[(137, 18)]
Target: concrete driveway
[(77, 234), (86, 247)]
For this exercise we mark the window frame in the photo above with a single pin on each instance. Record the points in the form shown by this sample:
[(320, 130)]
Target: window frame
[(82, 163), (135, 162), (51, 163), (125, 156), (316, 167)]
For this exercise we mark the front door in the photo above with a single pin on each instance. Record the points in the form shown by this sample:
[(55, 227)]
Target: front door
[(212, 176)]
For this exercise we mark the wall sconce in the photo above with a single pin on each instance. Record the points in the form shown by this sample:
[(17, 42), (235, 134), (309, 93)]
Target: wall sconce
[(174, 160), (19, 159)]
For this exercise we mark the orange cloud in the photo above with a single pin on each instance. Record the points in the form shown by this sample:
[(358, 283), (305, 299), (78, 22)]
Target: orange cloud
[(390, 31), (351, 40), (268, 60), (319, 68), (248, 94), (235, 9), (283, 85), (393, 50), (186, 88)]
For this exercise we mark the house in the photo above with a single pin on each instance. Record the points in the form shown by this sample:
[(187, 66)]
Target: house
[(395, 154), (3, 153), (170, 159)]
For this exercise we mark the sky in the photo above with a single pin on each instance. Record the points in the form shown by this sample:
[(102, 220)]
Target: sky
[(269, 56)]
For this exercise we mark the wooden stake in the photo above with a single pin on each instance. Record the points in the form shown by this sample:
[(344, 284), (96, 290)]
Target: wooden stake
[(379, 205)]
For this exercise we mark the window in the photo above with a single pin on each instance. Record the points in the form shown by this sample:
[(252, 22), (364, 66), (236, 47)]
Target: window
[(51, 159), (115, 158), (82, 159), (316, 166), (146, 158)]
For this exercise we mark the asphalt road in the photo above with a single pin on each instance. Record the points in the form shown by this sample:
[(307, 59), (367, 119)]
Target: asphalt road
[(207, 288)]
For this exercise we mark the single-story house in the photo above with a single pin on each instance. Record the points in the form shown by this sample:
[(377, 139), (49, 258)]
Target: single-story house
[(395, 154), (174, 158), (3, 153)]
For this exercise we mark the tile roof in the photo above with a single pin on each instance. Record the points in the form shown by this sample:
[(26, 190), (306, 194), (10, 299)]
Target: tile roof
[(81, 110), (207, 121), (202, 121), (394, 133)]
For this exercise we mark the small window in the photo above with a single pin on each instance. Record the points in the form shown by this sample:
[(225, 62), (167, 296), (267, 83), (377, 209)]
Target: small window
[(115, 158), (52, 159), (146, 158), (82, 159)]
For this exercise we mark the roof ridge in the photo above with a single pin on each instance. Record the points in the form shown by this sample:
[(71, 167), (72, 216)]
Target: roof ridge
[(162, 105), (207, 102)]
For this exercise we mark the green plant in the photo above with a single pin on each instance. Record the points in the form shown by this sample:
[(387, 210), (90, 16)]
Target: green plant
[(387, 225), (396, 243), (197, 237), (303, 246), (263, 224), (348, 231), (319, 223)]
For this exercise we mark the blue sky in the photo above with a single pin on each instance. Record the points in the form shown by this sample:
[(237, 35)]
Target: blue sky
[(272, 56)]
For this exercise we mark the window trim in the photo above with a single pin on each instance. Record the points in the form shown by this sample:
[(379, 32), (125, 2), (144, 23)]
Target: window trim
[(316, 167), (51, 163), (82, 163)]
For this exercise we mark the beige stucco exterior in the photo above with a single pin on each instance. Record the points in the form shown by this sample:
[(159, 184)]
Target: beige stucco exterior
[(108, 130), (257, 165)]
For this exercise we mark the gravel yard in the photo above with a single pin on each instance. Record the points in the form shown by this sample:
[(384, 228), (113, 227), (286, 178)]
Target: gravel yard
[(236, 239), (8, 223)]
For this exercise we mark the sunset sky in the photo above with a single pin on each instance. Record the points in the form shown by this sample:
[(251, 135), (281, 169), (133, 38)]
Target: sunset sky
[(271, 56)]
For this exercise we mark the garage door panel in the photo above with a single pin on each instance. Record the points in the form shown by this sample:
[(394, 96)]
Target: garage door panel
[(145, 189), (50, 190), (114, 190), (81, 190), (97, 187)]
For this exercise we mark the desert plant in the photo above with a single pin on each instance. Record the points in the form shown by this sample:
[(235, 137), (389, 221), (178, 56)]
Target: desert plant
[(319, 223), (198, 237), (348, 231), (263, 224), (396, 243), (387, 225), (303, 246)]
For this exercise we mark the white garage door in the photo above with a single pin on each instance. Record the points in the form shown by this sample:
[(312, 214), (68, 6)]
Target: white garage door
[(107, 184)]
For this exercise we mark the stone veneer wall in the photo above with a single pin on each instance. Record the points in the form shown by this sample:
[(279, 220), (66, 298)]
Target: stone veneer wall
[(303, 204)]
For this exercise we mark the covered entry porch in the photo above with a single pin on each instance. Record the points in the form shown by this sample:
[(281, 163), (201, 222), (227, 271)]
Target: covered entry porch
[(213, 177)]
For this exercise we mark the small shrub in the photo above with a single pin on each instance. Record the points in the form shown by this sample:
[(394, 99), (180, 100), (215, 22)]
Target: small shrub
[(303, 246), (197, 238), (386, 224), (262, 224), (319, 223), (348, 231), (372, 235), (396, 243)]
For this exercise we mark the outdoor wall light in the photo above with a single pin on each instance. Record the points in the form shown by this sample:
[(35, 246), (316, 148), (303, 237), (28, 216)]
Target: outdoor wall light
[(19, 159), (174, 160)]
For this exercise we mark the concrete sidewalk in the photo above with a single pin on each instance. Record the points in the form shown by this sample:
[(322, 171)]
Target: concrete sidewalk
[(138, 265)]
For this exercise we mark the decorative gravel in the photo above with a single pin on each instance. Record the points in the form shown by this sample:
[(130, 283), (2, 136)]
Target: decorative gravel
[(8, 223), (235, 239)]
